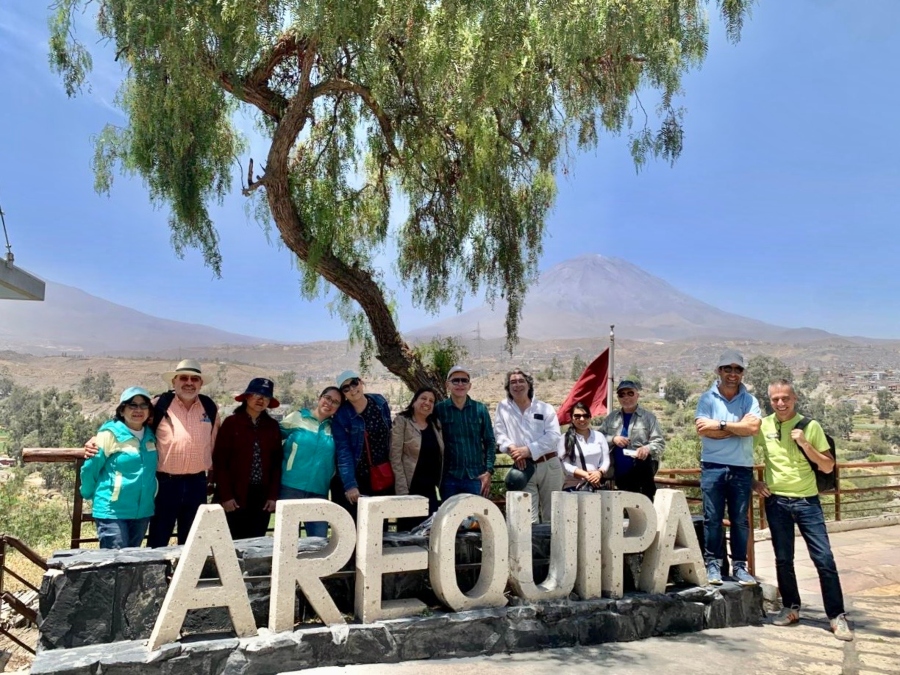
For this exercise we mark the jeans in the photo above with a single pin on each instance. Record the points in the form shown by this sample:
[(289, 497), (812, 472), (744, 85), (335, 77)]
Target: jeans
[(318, 528), (177, 500), (459, 486), (806, 512), (722, 485), (121, 532)]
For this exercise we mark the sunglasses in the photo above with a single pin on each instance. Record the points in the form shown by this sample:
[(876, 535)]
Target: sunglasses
[(352, 384), (189, 378), (625, 394), (580, 416), (460, 380), (732, 369), (138, 406)]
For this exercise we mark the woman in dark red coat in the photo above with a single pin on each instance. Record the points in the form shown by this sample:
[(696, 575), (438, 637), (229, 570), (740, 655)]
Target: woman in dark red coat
[(247, 462)]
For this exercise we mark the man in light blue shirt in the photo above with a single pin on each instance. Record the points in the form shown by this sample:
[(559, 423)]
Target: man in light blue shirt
[(727, 419)]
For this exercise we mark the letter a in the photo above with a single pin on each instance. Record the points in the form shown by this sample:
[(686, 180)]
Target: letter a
[(676, 544), (208, 536)]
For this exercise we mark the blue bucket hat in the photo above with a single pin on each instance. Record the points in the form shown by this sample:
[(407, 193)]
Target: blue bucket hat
[(131, 392), (263, 387)]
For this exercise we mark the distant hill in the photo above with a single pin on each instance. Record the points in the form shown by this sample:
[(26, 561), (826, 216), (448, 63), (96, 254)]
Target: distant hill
[(72, 321), (581, 297)]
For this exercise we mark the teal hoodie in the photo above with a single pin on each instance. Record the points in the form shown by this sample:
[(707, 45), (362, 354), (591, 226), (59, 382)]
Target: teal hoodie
[(121, 477), (308, 452)]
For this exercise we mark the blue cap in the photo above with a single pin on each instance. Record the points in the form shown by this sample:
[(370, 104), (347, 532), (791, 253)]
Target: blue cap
[(346, 375), (131, 392)]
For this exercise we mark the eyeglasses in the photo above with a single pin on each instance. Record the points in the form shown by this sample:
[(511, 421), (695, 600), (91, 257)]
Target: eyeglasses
[(626, 394), (330, 401), (580, 416), (728, 370), (189, 378), (138, 406), (460, 380), (352, 384)]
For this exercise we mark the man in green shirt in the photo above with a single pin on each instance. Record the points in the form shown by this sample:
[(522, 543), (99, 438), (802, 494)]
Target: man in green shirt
[(792, 497), (469, 446)]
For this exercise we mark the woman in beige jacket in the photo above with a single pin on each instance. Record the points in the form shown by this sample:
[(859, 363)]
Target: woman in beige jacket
[(417, 452)]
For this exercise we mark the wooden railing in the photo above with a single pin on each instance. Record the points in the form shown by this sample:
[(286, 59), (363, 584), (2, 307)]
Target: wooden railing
[(8, 542)]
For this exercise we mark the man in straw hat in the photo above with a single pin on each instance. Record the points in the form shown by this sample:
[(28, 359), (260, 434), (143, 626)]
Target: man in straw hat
[(185, 422)]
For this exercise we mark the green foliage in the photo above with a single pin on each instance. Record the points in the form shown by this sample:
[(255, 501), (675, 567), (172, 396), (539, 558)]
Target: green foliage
[(554, 370), (44, 419), (578, 366), (284, 387), (836, 420), (635, 374), (682, 451), (97, 387), (890, 434), (762, 370), (439, 355), (464, 111), (677, 389), (887, 406), (27, 514)]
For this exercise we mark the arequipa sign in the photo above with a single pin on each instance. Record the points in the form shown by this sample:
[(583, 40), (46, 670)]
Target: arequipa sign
[(589, 538)]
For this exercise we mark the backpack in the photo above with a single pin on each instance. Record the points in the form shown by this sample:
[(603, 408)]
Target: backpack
[(825, 482), (161, 408)]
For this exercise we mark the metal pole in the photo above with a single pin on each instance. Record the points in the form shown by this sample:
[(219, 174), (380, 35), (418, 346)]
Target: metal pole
[(611, 384)]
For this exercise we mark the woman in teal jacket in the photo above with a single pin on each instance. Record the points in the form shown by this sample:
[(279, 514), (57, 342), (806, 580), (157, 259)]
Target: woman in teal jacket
[(121, 477), (308, 463)]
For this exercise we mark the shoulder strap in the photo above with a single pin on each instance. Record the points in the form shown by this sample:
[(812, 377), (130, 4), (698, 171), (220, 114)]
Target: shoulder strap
[(210, 408), (580, 453), (803, 422), (160, 410)]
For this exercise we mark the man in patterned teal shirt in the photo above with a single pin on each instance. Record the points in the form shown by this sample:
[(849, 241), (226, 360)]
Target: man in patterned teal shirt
[(469, 446)]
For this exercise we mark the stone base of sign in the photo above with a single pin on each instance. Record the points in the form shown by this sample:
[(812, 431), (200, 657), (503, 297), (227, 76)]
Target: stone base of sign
[(516, 628)]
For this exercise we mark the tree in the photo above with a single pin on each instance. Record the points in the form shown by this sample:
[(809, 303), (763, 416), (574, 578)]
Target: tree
[(887, 406), (762, 370), (677, 390), (96, 387), (578, 366), (284, 387), (554, 370), (635, 375), (465, 111)]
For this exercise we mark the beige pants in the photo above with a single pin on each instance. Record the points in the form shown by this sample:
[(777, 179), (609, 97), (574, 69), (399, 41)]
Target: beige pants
[(548, 478)]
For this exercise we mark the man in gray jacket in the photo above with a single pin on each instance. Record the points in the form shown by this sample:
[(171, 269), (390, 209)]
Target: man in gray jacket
[(635, 441)]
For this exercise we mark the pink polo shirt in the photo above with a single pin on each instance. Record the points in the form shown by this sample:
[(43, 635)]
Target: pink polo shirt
[(185, 439)]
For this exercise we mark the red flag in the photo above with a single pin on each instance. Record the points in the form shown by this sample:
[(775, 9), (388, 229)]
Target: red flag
[(590, 388)]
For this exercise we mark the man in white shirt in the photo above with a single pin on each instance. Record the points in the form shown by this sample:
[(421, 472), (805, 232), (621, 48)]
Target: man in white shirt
[(527, 429)]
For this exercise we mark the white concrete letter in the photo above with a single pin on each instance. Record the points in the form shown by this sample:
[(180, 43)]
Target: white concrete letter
[(638, 537), (488, 591), (588, 582), (209, 535), (563, 546), (372, 561), (676, 544), (290, 569)]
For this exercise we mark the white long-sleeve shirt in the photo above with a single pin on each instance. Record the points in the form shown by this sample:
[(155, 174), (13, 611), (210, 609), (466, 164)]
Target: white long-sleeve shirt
[(596, 455), (535, 427)]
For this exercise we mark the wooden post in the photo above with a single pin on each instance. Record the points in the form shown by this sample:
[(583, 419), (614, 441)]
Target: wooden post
[(77, 507)]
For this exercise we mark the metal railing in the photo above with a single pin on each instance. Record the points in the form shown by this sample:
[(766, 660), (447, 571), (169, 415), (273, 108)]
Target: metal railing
[(9, 542)]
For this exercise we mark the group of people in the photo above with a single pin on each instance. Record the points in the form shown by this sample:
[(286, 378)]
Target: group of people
[(730, 425), (147, 469)]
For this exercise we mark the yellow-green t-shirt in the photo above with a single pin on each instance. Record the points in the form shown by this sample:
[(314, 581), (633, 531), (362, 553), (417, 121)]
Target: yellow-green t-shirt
[(788, 472)]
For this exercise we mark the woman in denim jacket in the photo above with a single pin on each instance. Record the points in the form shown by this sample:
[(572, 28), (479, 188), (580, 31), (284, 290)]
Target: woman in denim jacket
[(362, 420)]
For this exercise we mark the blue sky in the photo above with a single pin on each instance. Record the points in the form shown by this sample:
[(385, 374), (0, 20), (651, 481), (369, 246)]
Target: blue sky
[(783, 207)]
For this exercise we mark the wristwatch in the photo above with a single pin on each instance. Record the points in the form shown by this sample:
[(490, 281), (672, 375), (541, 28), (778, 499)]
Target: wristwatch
[(722, 424)]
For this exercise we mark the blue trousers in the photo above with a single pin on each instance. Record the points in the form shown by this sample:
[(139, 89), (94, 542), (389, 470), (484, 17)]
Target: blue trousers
[(121, 532), (177, 500), (459, 486), (318, 528), (806, 512), (725, 485)]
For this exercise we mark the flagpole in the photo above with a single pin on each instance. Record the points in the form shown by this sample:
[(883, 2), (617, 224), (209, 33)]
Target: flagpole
[(611, 387)]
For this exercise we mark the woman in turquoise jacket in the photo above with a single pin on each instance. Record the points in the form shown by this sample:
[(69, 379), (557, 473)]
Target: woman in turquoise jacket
[(308, 463), (121, 478)]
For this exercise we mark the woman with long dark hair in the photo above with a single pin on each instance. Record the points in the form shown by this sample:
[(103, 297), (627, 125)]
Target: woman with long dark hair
[(309, 465), (583, 451), (247, 461), (417, 452)]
